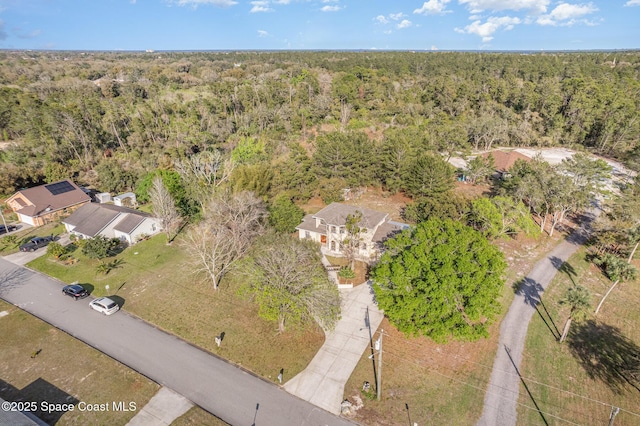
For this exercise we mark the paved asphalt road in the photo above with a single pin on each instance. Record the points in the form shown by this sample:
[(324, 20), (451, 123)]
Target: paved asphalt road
[(230, 393), (502, 393)]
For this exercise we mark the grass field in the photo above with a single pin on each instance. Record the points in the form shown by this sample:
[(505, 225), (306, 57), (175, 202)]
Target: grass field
[(64, 370), (579, 380), (196, 416), (154, 282)]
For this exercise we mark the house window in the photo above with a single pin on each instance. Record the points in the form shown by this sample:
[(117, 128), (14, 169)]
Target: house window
[(153, 227), (333, 246), (333, 229), (342, 230), (307, 234), (364, 246)]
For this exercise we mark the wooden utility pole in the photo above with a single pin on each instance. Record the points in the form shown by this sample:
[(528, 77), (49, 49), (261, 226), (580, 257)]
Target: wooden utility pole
[(379, 384)]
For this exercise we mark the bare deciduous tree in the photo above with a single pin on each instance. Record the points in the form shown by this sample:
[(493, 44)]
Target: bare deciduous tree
[(203, 172), (231, 224), (164, 207)]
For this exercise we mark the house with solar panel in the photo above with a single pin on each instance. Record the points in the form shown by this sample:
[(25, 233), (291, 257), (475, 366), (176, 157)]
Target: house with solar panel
[(47, 203)]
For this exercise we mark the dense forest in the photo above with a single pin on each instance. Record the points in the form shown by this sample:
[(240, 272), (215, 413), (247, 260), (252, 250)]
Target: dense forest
[(301, 123)]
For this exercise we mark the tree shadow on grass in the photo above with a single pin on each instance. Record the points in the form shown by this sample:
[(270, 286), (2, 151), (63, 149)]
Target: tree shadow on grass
[(606, 354)]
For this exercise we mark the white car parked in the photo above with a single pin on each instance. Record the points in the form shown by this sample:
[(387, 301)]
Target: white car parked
[(105, 305)]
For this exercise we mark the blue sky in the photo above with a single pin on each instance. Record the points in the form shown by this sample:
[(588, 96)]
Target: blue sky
[(319, 24)]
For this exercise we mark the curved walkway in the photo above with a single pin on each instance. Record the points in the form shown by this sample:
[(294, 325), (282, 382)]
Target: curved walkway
[(502, 393), (322, 382)]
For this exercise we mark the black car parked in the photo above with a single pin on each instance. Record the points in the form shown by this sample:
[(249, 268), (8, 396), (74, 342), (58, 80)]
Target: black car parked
[(36, 243), (8, 228), (75, 290)]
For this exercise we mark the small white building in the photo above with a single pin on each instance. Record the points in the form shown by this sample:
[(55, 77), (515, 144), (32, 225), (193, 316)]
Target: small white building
[(103, 197), (128, 199)]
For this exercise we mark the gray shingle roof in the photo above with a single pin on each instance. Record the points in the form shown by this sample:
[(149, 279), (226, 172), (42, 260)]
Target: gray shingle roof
[(309, 224), (336, 214), (129, 223), (90, 219)]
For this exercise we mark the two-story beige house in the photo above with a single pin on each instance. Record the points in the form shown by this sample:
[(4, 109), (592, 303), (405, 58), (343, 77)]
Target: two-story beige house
[(328, 227)]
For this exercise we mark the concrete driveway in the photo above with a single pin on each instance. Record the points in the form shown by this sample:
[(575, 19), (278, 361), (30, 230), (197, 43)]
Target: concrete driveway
[(232, 394), (322, 382), (22, 258)]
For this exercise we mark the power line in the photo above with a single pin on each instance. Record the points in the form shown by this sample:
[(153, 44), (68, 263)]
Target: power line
[(486, 391), (522, 377)]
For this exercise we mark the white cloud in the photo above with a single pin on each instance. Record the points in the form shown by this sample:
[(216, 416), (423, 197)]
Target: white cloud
[(535, 6), (632, 3), (282, 1), (433, 7), (381, 19), (567, 14), (405, 23), (260, 6), (397, 16), (262, 33), (196, 3), (493, 24), (330, 8)]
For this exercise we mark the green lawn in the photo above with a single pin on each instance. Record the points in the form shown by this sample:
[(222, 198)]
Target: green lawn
[(155, 282), (63, 367), (581, 378)]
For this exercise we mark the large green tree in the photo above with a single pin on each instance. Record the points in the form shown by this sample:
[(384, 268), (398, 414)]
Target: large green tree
[(290, 284), (429, 175), (441, 279), (284, 215)]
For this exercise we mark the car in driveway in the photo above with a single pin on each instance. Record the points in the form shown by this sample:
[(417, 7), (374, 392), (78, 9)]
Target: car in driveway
[(105, 306), (35, 243), (7, 229), (75, 290)]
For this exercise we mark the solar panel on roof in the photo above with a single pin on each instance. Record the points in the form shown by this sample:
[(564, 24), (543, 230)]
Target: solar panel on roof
[(59, 188)]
